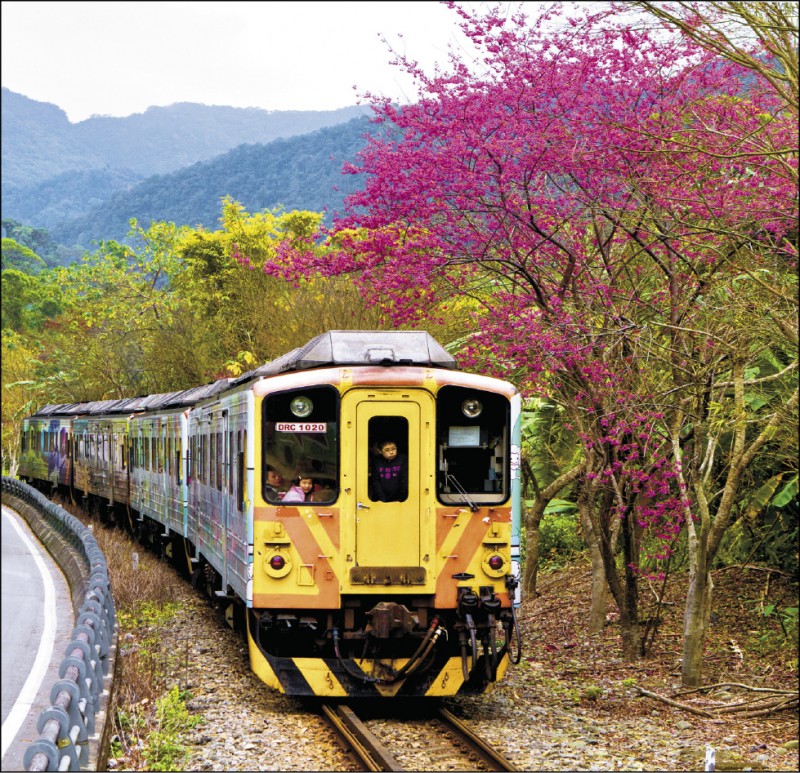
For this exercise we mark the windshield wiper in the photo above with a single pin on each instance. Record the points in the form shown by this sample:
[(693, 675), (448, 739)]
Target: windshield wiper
[(451, 479)]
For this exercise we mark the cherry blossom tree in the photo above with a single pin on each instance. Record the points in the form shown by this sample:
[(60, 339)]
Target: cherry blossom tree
[(618, 208)]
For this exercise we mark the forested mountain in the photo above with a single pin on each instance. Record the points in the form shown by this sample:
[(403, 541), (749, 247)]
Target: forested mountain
[(55, 173), (39, 142), (299, 173)]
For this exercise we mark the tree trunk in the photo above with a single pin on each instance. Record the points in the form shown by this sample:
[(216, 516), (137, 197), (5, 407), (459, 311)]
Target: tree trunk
[(695, 620), (531, 556), (597, 612), (533, 521), (631, 634)]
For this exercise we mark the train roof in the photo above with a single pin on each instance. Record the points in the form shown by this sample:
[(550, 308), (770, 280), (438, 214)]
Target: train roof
[(58, 409), (359, 347), (196, 394), (128, 405), (336, 348)]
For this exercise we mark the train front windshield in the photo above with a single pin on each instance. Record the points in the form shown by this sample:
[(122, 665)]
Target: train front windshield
[(301, 435), (473, 438)]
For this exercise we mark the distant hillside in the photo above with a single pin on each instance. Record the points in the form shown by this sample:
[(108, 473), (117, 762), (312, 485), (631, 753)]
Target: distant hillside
[(55, 172), (39, 142), (299, 173), (65, 196)]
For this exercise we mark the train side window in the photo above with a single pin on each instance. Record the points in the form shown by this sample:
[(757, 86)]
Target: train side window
[(301, 434), (473, 451), (388, 467), (220, 483), (229, 455), (190, 462), (212, 477), (240, 469)]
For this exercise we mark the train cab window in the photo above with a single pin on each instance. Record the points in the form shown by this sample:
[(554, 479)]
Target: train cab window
[(473, 436), (301, 435), (388, 469)]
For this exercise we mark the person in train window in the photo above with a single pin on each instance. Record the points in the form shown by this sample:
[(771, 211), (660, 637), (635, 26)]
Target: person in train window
[(302, 490), (390, 474), (276, 485)]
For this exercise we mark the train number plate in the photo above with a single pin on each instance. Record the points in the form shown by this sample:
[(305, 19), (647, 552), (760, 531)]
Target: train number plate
[(301, 426)]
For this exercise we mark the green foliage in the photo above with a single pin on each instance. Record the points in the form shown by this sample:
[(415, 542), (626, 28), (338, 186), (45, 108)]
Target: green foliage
[(37, 240), (164, 750), (560, 539), (29, 301), (17, 256), (787, 617), (157, 739), (778, 628), (592, 692), (18, 360), (146, 613), (770, 540), (547, 445)]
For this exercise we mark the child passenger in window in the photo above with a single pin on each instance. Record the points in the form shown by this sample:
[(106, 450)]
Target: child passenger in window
[(302, 490), (390, 474)]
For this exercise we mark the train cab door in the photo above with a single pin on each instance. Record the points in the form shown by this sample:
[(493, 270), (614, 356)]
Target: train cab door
[(389, 511)]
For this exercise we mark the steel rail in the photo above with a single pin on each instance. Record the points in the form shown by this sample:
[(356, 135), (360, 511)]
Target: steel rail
[(475, 742), (368, 748)]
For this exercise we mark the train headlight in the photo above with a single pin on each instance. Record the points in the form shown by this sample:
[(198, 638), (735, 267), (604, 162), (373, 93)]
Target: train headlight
[(277, 562), (496, 562), (301, 407), (471, 408)]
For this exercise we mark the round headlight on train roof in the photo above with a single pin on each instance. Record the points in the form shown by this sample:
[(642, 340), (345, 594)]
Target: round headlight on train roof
[(471, 408), (301, 407)]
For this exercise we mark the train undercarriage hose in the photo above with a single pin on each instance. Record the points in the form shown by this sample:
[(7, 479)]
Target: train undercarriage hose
[(515, 659), (419, 661)]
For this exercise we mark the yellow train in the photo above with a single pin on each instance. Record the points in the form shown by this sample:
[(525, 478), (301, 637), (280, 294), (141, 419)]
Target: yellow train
[(354, 504)]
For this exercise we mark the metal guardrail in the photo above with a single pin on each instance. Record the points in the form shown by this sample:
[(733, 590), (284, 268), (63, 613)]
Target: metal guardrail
[(73, 730)]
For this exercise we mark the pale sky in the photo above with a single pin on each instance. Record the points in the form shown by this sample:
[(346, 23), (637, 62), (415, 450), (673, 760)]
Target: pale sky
[(119, 58)]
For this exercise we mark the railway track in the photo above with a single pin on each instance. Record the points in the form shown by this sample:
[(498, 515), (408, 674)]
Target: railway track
[(437, 740)]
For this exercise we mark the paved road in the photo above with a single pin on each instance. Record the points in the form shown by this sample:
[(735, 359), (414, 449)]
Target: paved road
[(37, 621)]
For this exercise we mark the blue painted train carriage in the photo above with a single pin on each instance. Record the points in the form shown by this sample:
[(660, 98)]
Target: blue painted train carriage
[(220, 487), (46, 451), (100, 457), (157, 452)]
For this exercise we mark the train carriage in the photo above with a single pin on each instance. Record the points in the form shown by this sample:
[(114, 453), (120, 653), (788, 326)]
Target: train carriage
[(46, 452), (217, 493), (354, 504), (157, 440)]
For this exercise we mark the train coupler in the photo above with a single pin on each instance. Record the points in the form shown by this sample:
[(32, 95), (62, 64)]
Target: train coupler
[(390, 620)]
